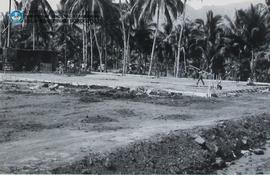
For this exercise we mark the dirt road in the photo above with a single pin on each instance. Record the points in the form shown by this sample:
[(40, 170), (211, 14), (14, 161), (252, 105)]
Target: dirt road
[(41, 129)]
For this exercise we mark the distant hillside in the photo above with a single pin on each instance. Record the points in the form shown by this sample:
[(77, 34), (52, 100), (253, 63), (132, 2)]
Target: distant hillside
[(222, 10)]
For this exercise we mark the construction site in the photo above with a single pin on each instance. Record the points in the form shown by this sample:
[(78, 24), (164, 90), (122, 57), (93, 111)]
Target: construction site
[(107, 123)]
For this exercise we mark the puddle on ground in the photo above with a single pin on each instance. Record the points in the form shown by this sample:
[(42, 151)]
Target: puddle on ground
[(250, 164)]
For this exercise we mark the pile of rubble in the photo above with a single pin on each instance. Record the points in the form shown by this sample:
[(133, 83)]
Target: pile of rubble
[(180, 152), (118, 92), (51, 87)]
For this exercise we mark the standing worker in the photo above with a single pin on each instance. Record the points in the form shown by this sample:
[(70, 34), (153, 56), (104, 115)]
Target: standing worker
[(200, 72)]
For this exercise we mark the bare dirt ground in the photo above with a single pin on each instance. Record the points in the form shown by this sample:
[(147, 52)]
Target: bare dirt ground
[(41, 130), (184, 86)]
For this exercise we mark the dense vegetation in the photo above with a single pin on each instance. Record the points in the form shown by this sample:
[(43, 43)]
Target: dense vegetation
[(148, 37)]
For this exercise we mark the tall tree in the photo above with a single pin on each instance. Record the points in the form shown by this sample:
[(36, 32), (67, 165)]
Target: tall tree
[(209, 38), (101, 8), (65, 30), (254, 27), (155, 9), (179, 48), (40, 15), (3, 28), (125, 18), (9, 25)]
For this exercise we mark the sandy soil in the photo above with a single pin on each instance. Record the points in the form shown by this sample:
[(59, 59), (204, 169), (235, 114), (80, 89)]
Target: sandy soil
[(41, 129)]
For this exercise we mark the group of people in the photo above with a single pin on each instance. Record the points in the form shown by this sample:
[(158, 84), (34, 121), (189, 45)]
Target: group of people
[(70, 67)]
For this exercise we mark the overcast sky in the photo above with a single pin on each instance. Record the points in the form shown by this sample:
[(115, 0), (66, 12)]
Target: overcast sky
[(194, 3)]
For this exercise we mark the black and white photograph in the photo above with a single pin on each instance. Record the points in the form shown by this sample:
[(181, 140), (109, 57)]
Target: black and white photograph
[(135, 87)]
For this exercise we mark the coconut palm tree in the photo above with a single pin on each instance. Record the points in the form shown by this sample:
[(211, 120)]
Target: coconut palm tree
[(188, 31), (1, 30), (248, 35), (179, 48), (40, 15), (150, 9), (209, 38), (142, 41), (65, 30), (126, 19), (237, 48), (253, 25), (103, 8)]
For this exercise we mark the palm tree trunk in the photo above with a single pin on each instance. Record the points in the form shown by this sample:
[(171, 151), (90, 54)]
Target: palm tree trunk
[(154, 43), (252, 66), (105, 53), (9, 26), (83, 35), (34, 36), (180, 41), (86, 45), (1, 34), (65, 52), (128, 47), (124, 39), (91, 49), (99, 49), (185, 61), (178, 53), (175, 62)]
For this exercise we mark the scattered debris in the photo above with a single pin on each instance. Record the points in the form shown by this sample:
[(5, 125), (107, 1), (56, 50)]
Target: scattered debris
[(245, 152), (53, 87), (214, 95), (265, 90), (45, 85), (201, 141), (258, 151), (149, 92), (219, 163), (122, 88), (232, 94), (35, 87)]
